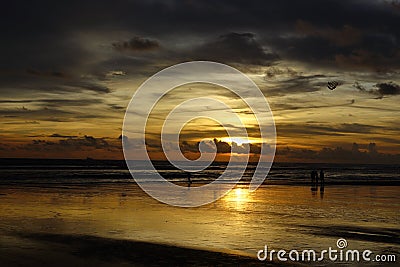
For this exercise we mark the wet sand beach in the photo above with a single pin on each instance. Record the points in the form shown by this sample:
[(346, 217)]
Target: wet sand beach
[(114, 224), (45, 249)]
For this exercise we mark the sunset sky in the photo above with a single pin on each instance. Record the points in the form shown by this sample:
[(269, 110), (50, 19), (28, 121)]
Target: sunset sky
[(69, 69)]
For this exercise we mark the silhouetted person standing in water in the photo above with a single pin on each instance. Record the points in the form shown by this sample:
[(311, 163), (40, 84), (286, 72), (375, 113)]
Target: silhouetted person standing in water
[(316, 177), (322, 177), (188, 178), (322, 188), (313, 180), (312, 177)]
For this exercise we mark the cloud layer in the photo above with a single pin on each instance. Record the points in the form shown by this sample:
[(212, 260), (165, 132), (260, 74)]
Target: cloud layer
[(71, 67)]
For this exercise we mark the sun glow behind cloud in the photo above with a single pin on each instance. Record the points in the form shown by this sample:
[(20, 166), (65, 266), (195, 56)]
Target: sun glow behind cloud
[(81, 87), (239, 140)]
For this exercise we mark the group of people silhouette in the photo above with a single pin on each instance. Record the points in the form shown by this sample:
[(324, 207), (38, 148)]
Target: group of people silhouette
[(315, 179)]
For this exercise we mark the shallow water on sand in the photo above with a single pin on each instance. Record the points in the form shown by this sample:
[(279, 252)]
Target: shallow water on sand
[(280, 216)]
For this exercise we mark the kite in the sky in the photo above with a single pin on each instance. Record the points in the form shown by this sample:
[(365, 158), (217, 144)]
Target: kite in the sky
[(332, 85)]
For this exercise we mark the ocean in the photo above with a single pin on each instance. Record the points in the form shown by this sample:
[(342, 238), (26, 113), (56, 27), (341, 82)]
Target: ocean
[(90, 198), (75, 171)]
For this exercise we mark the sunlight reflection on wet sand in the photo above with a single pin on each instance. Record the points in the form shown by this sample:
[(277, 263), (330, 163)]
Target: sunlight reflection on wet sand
[(280, 216)]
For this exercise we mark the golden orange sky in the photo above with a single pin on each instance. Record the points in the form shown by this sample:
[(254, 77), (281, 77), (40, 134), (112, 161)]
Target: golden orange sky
[(66, 83)]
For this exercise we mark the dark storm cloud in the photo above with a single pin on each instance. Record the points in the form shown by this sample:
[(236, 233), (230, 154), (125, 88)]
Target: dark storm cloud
[(54, 113), (136, 44), (273, 72), (221, 147), (55, 135), (369, 154), (349, 34), (62, 136), (359, 87), (366, 153), (388, 88), (292, 81), (349, 45), (394, 3), (69, 47), (73, 143), (43, 114), (235, 48), (21, 82), (50, 73), (315, 129), (287, 107), (21, 122), (116, 107), (357, 128), (89, 86), (33, 80), (52, 103), (380, 89), (346, 36)]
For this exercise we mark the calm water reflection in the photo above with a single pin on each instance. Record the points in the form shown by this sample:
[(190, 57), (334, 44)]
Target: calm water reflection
[(283, 217)]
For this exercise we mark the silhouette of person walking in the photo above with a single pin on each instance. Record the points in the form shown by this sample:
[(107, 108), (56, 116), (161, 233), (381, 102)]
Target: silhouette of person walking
[(316, 177)]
